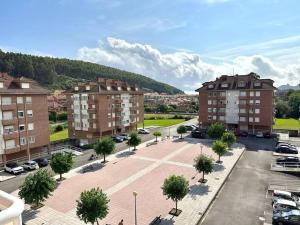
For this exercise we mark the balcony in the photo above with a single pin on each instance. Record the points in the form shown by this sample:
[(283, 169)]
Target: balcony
[(8, 107), (12, 135), (9, 121)]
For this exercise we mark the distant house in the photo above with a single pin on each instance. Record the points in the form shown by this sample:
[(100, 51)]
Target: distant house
[(57, 102)]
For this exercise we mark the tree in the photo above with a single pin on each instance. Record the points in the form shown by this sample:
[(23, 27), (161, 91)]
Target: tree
[(92, 205), (61, 163), (215, 131), (37, 187), (181, 130), (228, 138), (59, 128), (219, 148), (157, 134), (294, 103), (282, 109), (105, 146), (175, 188), (203, 165), (134, 140), (162, 108)]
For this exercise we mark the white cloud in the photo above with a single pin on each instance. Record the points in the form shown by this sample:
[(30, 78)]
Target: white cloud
[(182, 69)]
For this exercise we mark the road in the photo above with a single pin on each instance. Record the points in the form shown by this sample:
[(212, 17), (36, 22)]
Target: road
[(14, 183), (242, 199)]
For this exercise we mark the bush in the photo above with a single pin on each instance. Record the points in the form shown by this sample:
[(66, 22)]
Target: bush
[(215, 131), (62, 116), (59, 128), (181, 130)]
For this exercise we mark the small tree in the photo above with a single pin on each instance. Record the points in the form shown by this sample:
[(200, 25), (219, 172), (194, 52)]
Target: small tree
[(92, 205), (37, 187), (134, 140), (228, 138), (203, 165), (175, 187), (59, 128), (219, 148), (181, 130), (61, 163), (215, 131), (105, 146), (157, 134)]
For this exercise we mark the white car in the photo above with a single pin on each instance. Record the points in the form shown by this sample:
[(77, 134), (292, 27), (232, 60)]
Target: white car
[(14, 168), (30, 165), (278, 194), (259, 134), (143, 131), (284, 205)]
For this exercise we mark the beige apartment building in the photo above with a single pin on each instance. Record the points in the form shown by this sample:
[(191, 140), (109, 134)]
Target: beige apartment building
[(101, 108), (23, 118), (240, 102)]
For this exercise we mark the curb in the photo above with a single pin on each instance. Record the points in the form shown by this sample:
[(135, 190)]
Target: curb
[(217, 193)]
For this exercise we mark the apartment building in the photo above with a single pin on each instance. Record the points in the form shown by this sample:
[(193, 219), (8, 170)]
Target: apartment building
[(23, 118), (240, 102), (101, 108)]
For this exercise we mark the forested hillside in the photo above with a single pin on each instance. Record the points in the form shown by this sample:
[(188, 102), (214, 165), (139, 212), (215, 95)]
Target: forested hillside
[(56, 73)]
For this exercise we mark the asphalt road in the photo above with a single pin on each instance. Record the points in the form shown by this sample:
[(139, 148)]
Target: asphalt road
[(242, 199), (14, 183)]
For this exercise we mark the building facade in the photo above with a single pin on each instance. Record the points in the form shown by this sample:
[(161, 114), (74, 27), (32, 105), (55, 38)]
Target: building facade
[(101, 108), (240, 102), (23, 119)]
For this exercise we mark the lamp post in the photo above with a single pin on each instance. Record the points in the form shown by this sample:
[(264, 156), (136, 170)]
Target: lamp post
[(135, 216)]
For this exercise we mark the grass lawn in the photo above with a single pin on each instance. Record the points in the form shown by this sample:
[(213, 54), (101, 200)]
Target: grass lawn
[(161, 123), (287, 124), (59, 135), (165, 116)]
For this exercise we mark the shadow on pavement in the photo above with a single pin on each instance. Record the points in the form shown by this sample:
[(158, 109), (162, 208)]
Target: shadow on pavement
[(198, 190), (218, 167)]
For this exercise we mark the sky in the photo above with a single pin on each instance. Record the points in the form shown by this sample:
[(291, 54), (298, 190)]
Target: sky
[(180, 42)]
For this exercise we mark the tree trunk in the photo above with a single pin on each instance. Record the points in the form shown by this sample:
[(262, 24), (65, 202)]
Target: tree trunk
[(156, 138), (203, 177), (97, 222), (134, 147), (176, 206), (103, 157), (181, 136), (219, 158), (60, 176)]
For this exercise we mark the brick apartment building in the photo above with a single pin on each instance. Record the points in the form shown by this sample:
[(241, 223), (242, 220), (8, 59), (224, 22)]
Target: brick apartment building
[(24, 118), (104, 107), (240, 102)]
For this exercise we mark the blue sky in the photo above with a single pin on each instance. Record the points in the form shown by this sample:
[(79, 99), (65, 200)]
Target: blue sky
[(190, 41)]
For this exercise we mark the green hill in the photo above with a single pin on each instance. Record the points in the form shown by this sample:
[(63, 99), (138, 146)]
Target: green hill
[(57, 73)]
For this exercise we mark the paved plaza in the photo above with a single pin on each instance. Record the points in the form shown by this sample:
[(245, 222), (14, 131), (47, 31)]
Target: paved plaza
[(143, 171)]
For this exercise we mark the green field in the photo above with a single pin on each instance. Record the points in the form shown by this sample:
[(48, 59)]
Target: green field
[(287, 124), (61, 135), (165, 116), (161, 123)]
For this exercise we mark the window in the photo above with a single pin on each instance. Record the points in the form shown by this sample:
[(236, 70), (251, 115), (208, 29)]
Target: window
[(87, 88), (28, 99), (21, 127), (93, 106), (76, 88), (30, 126), (214, 117), (94, 125), (243, 93), (223, 94), (224, 85), (211, 86), (222, 110), (25, 85), (214, 110), (209, 117), (22, 141), (242, 110), (257, 84), (109, 124), (8, 129), (31, 139), (29, 113), (251, 101), (209, 110), (94, 116), (242, 119), (1, 85), (222, 118), (257, 111), (215, 93), (10, 144), (257, 102), (257, 119), (257, 93), (20, 100), (21, 114), (7, 115), (108, 88), (210, 94), (242, 102), (84, 97), (214, 102), (251, 93), (251, 110), (6, 100), (242, 84), (209, 102), (250, 119)]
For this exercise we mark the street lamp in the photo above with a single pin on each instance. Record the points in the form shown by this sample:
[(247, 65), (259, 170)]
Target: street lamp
[(135, 217)]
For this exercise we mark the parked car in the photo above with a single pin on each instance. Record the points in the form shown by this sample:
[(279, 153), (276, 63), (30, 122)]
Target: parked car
[(259, 134), (285, 149), (289, 161), (30, 165), (124, 136), (278, 194), (143, 131), (267, 135), (243, 134), (285, 143), (286, 218), (198, 134), (190, 128), (14, 168), (284, 205), (117, 139), (42, 162)]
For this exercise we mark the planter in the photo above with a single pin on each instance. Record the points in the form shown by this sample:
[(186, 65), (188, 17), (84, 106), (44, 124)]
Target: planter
[(203, 181), (175, 212), (35, 207)]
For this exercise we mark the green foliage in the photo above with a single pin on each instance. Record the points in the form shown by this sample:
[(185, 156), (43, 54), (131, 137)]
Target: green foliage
[(61, 163), (58, 73), (175, 188), (181, 130), (162, 108), (157, 134), (220, 148), (134, 140), (59, 128), (215, 131), (294, 104), (203, 165), (63, 116), (228, 138), (52, 116), (37, 187), (92, 205), (105, 146), (282, 109)]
